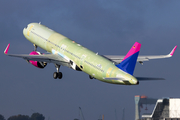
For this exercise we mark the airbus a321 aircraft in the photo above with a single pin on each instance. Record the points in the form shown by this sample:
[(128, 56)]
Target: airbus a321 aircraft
[(65, 52)]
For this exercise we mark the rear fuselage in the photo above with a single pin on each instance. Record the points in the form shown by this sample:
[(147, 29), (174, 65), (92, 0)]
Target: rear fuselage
[(86, 60)]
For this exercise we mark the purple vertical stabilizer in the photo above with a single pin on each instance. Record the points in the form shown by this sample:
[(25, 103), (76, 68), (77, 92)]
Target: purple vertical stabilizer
[(129, 61)]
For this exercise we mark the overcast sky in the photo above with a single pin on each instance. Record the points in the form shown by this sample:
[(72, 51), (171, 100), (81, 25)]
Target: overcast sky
[(109, 27)]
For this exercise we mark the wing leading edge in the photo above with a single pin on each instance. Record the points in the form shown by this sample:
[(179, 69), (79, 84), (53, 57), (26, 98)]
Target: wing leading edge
[(49, 58)]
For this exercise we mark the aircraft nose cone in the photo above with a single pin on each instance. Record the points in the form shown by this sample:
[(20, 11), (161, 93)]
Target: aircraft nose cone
[(24, 31)]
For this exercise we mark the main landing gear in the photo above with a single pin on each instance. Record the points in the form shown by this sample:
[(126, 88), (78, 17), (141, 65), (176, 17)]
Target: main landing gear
[(91, 77), (57, 74)]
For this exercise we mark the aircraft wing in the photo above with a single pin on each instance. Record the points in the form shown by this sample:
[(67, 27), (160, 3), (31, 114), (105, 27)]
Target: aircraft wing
[(148, 78), (140, 59), (49, 58)]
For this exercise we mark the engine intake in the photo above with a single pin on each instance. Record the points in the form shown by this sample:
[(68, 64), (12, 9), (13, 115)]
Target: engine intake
[(38, 64)]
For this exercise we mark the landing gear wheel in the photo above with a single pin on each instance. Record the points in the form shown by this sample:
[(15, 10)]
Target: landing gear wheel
[(91, 77), (55, 75), (60, 75)]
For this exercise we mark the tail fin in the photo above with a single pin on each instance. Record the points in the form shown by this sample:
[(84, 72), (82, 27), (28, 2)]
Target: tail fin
[(129, 61)]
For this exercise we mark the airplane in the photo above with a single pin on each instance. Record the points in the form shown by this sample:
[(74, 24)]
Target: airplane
[(64, 52)]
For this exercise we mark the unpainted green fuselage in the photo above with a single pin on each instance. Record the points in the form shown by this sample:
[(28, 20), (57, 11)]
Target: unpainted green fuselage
[(88, 61)]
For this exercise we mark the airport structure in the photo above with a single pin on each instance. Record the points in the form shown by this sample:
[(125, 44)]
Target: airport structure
[(165, 109), (139, 101)]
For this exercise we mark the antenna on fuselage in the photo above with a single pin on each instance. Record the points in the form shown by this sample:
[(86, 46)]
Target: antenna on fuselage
[(39, 23)]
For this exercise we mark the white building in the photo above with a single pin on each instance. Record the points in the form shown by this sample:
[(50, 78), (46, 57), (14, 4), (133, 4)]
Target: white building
[(165, 109)]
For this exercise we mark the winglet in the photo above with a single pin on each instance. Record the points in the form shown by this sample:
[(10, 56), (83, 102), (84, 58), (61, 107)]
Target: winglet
[(173, 50), (6, 50)]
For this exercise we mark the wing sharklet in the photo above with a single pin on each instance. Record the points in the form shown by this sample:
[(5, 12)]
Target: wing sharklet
[(6, 50), (173, 50)]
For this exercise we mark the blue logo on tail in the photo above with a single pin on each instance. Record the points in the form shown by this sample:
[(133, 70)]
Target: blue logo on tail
[(129, 62)]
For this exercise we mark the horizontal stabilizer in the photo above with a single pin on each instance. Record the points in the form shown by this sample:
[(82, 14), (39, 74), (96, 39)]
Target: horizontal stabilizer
[(148, 78)]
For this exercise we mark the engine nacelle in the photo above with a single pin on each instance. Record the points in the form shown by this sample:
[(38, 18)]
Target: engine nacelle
[(74, 66), (37, 63)]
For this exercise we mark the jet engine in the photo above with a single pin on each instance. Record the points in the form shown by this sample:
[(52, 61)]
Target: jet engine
[(74, 66), (37, 63)]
